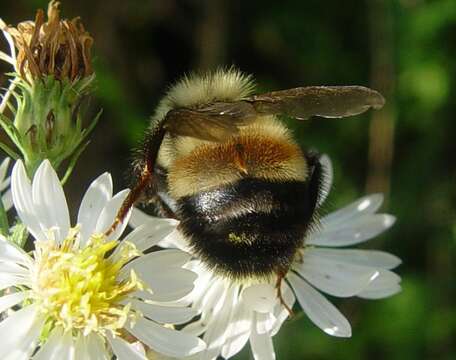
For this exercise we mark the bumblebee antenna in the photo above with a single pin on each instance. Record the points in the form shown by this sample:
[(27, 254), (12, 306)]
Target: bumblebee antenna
[(151, 147)]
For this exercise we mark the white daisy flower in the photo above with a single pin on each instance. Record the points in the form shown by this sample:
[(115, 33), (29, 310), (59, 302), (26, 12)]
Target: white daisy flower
[(85, 295), (233, 313)]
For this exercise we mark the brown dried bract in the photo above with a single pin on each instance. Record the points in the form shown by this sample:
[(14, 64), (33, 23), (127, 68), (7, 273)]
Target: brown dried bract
[(56, 47)]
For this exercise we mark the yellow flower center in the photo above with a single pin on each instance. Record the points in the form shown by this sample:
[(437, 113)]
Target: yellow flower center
[(80, 288)]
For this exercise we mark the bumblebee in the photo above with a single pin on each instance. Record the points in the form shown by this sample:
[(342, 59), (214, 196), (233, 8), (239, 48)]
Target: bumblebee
[(218, 159)]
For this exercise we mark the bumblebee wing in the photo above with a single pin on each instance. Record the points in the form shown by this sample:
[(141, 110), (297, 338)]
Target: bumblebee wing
[(326, 101), (215, 122), (220, 120)]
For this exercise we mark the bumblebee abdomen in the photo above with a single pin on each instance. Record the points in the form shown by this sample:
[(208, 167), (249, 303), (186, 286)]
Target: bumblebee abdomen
[(250, 228)]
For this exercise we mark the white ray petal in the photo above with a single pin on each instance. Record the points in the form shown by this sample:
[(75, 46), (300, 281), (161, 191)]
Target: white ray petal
[(166, 341), (261, 344), (209, 306), (172, 240), (334, 277), (265, 322), (8, 280), (3, 169), (366, 205), (387, 284), (9, 39), (10, 252), (203, 284), (8, 301), (281, 313), (150, 234), (169, 284), (5, 183), (238, 330), (109, 213), (7, 199), (11, 268), (59, 346), (139, 217), (96, 348), (370, 258), (50, 202), (355, 231), (19, 333), (216, 333), (21, 189), (6, 58), (319, 310), (164, 313), (175, 240), (157, 260), (260, 297), (95, 199), (124, 350)]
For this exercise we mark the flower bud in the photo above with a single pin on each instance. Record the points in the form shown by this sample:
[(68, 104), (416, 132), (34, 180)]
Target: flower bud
[(53, 75)]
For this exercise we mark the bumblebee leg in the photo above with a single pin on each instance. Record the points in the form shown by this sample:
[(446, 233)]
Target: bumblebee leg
[(131, 199), (150, 153), (280, 276)]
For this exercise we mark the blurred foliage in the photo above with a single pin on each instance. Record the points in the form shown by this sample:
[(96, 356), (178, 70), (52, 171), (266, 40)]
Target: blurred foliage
[(142, 46)]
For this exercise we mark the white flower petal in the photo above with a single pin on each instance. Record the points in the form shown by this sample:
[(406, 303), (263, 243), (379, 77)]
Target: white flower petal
[(319, 310), (10, 41), (19, 333), (95, 199), (109, 213), (12, 253), (96, 348), (7, 301), (3, 169), (6, 58), (202, 284), (59, 346), (8, 280), (7, 199), (260, 297), (366, 205), (261, 344), (10, 268), (265, 322), (138, 218), (150, 234), (166, 341), (49, 200), (385, 285), (358, 230), (238, 330), (124, 350), (216, 332), (164, 313), (281, 313), (370, 258), (156, 261), (335, 277), (23, 200), (167, 285), (209, 305), (175, 240)]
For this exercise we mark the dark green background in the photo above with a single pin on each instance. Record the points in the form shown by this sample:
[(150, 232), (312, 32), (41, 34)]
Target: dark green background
[(406, 49)]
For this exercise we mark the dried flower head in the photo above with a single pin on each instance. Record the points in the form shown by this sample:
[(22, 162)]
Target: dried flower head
[(57, 47)]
